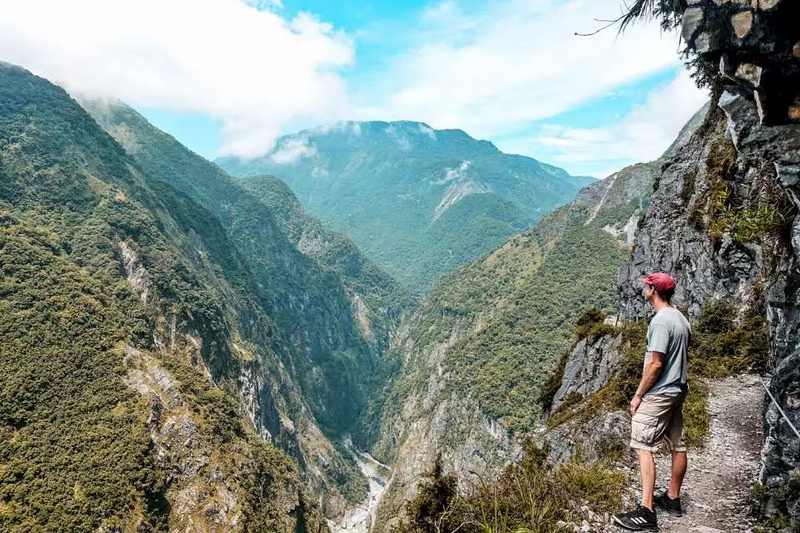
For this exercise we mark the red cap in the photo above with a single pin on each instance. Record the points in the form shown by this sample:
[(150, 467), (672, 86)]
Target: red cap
[(661, 282)]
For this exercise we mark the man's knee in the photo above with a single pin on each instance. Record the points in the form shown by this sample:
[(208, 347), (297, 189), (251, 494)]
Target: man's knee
[(644, 455)]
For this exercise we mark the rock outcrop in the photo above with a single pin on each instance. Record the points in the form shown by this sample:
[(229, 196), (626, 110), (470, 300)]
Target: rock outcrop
[(589, 367), (756, 44)]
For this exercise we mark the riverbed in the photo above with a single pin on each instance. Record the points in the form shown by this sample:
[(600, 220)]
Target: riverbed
[(359, 519)]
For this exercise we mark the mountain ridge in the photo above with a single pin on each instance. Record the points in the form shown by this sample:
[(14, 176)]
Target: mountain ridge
[(418, 201)]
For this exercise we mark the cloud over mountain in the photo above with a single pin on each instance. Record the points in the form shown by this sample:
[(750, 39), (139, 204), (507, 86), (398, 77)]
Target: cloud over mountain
[(241, 63)]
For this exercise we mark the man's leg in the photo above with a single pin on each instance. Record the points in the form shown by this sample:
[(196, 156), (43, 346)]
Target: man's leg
[(647, 469), (678, 471)]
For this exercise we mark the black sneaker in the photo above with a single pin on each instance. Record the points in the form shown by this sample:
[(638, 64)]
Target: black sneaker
[(640, 519), (669, 505)]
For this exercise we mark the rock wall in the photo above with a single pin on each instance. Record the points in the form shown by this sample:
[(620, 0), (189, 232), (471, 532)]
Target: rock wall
[(756, 44), (728, 229), (722, 221), (588, 368)]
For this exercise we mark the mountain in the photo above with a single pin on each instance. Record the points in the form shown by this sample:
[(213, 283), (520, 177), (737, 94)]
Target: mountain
[(123, 346), (418, 201), (332, 307), (720, 215)]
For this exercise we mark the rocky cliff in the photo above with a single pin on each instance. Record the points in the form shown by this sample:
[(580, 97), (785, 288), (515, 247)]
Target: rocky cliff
[(722, 220), (732, 202)]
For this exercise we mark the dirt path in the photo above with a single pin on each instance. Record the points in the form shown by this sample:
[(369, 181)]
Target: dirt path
[(720, 475)]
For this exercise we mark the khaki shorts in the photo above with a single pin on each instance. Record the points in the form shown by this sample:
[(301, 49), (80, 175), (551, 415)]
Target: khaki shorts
[(659, 419)]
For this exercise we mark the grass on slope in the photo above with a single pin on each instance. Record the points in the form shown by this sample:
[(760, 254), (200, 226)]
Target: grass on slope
[(530, 496)]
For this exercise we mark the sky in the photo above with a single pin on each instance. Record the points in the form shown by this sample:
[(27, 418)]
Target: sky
[(228, 77)]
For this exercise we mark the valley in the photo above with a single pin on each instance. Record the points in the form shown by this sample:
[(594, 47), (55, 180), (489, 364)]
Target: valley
[(385, 327)]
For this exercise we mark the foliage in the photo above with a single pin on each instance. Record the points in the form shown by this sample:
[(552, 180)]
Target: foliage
[(720, 168), (592, 324), (503, 363), (75, 450), (725, 344), (723, 209), (547, 394), (770, 505), (433, 510), (530, 496), (668, 12)]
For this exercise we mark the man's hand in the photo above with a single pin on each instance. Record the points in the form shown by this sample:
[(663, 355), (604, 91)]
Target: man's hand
[(649, 377), (635, 403)]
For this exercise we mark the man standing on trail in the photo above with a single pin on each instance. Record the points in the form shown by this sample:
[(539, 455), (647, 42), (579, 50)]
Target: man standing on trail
[(657, 406)]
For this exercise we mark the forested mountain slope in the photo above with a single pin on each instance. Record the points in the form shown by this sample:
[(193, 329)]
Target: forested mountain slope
[(121, 346), (420, 202), (332, 304)]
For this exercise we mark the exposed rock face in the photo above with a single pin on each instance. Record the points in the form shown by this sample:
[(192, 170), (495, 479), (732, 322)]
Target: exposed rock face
[(605, 432), (201, 496), (435, 420), (755, 42), (670, 242), (588, 368), (137, 274)]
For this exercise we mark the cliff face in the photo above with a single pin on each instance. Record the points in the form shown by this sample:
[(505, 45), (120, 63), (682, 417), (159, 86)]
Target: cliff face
[(723, 216), (723, 222), (756, 44)]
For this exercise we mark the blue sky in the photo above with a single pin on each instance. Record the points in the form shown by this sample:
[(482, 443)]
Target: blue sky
[(230, 76)]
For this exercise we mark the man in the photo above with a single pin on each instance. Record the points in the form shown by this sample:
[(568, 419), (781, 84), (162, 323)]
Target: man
[(657, 406)]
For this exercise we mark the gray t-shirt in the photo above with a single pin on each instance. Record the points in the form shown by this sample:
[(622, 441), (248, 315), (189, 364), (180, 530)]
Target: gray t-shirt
[(669, 334)]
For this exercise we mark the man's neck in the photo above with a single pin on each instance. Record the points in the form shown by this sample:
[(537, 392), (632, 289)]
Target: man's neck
[(659, 305)]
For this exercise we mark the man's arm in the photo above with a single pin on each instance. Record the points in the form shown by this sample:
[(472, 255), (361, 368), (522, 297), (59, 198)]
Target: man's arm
[(649, 378)]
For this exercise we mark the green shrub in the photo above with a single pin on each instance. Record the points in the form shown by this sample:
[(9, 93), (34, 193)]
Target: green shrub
[(531, 496), (592, 324), (725, 345), (770, 505)]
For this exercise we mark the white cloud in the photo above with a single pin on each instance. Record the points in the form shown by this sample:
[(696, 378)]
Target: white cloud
[(238, 62), (400, 137), (641, 135), (514, 62), (292, 149), (427, 131), (453, 174)]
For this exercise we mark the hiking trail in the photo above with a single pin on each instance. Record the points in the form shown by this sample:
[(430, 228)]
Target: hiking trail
[(721, 473)]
